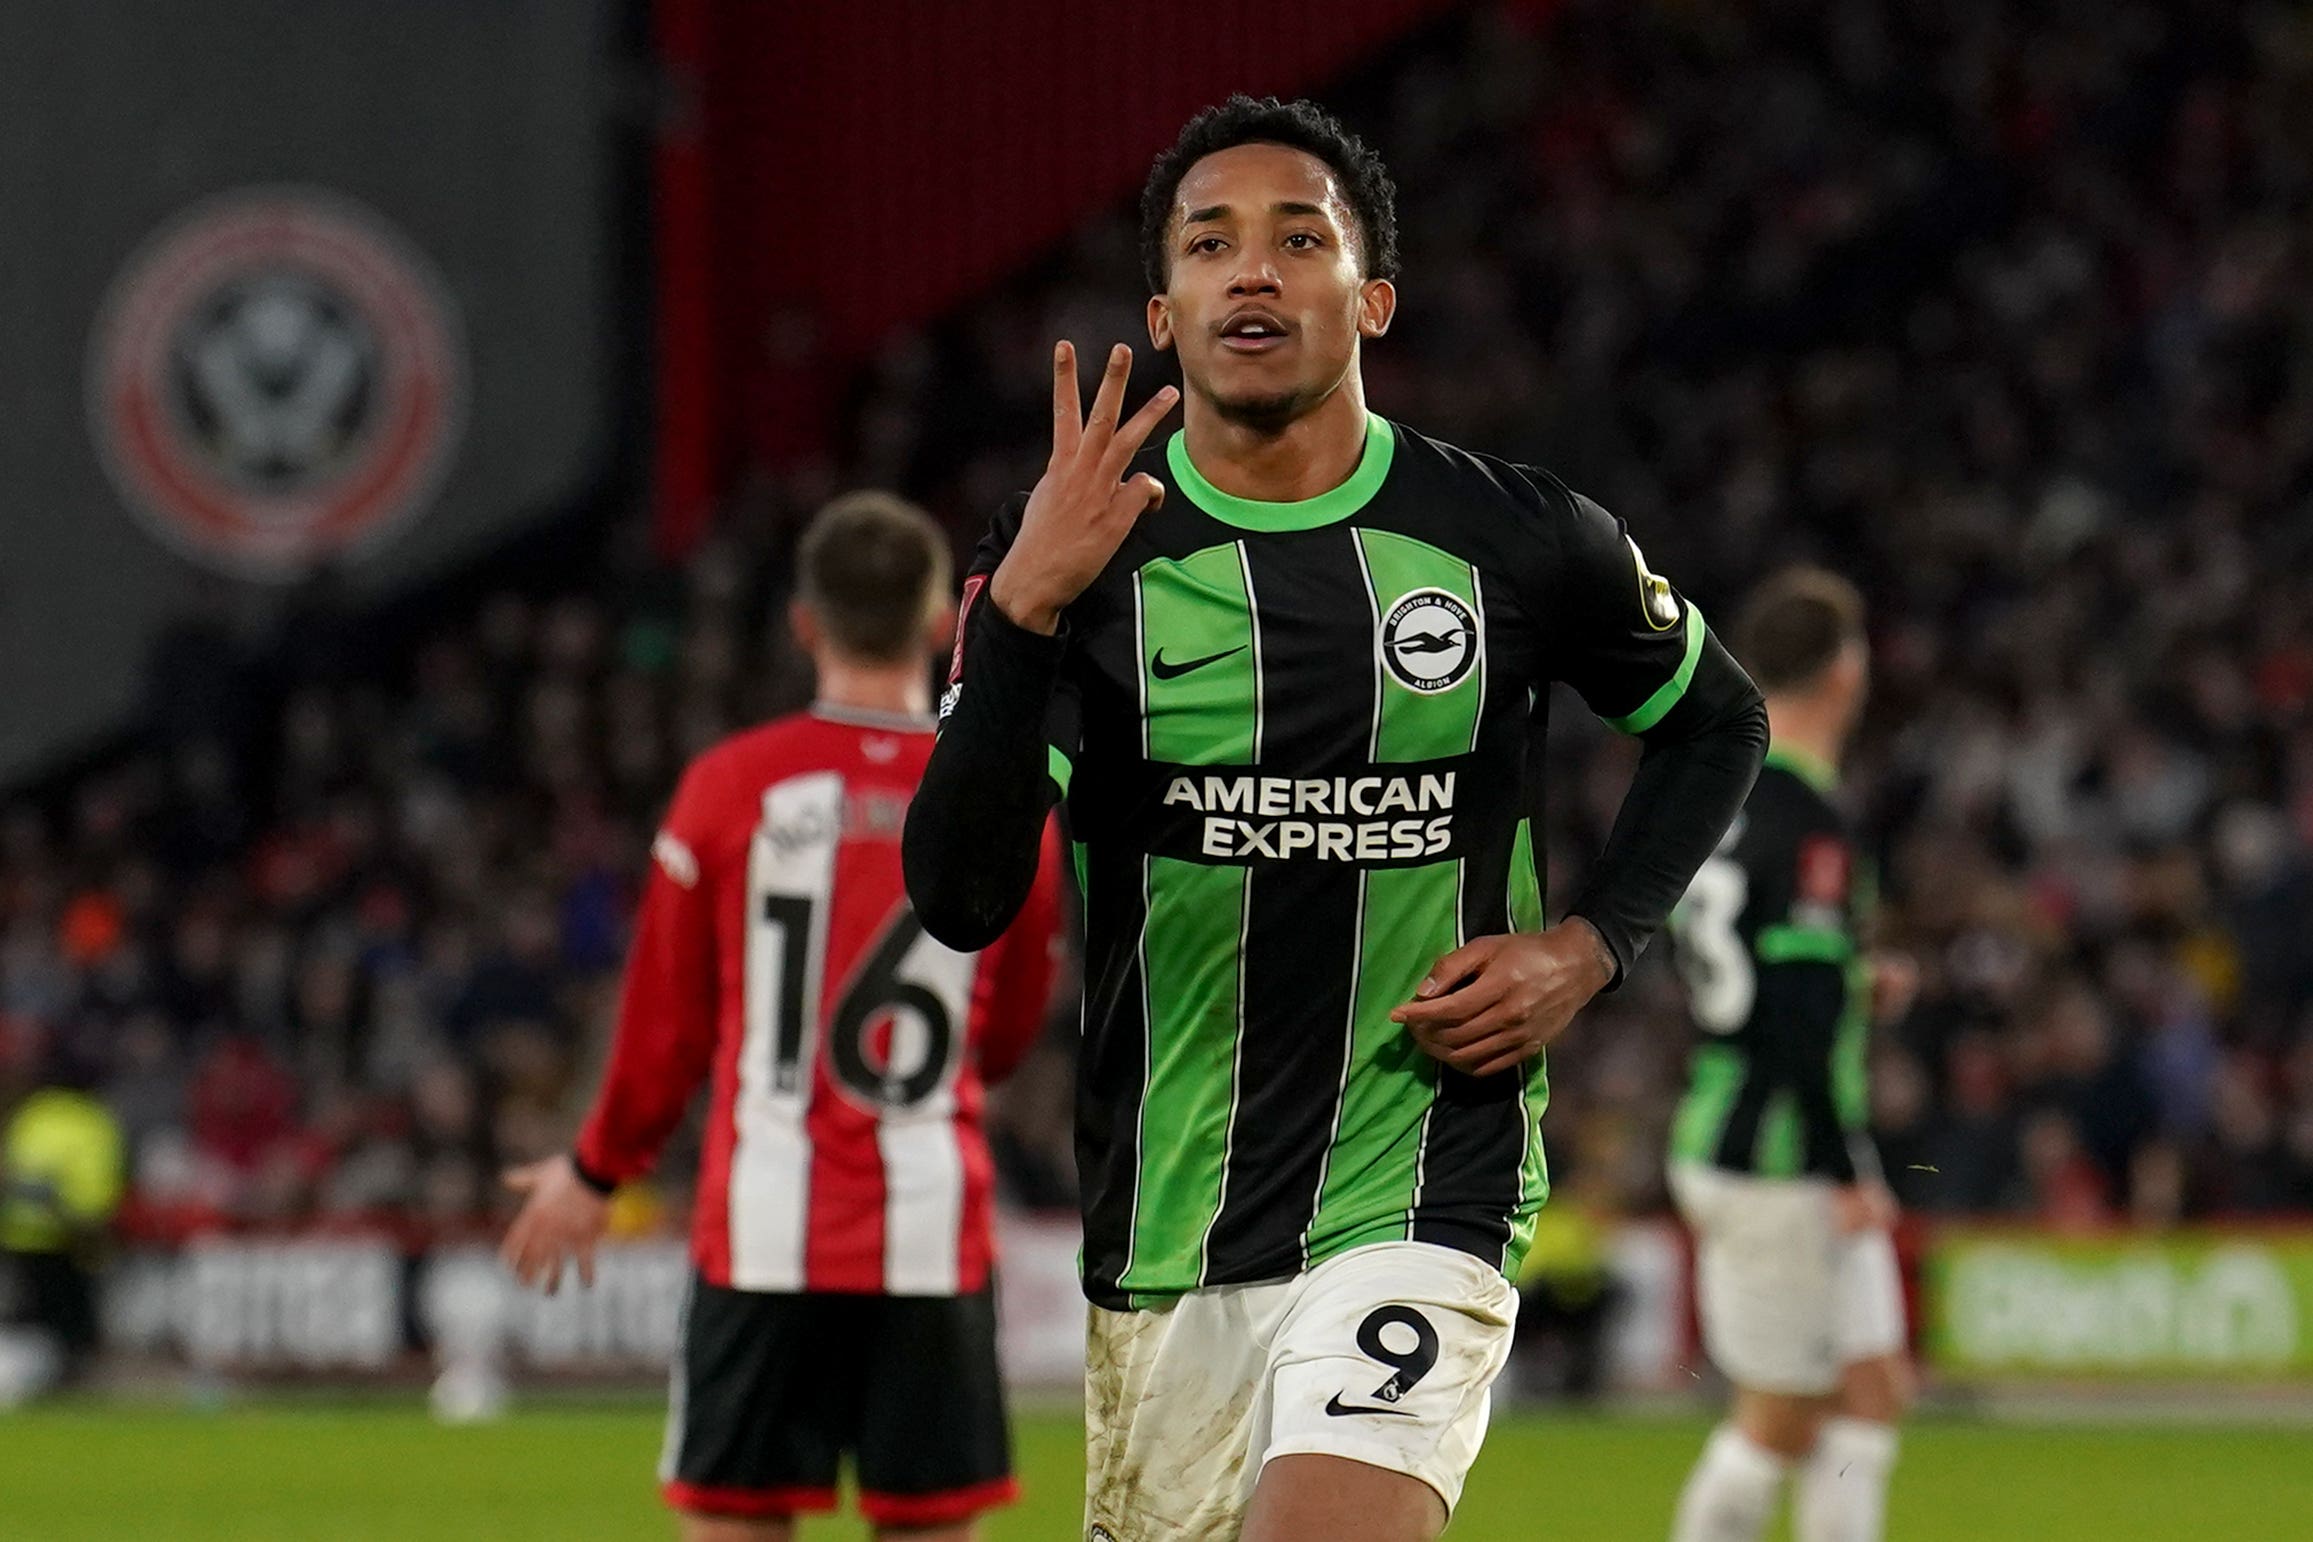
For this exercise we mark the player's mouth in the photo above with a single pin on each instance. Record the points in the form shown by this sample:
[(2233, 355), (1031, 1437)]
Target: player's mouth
[(1253, 330)]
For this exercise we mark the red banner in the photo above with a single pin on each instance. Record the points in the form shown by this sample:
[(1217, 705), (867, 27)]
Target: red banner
[(829, 172)]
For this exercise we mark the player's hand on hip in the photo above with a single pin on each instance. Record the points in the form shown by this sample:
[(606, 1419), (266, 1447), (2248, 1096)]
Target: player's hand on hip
[(1894, 985), (1863, 1207), (561, 1219), (1081, 509), (1494, 1003)]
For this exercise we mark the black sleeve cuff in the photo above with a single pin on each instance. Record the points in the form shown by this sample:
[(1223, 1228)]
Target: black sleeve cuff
[(975, 826), (593, 1180), (1021, 660), (1621, 948)]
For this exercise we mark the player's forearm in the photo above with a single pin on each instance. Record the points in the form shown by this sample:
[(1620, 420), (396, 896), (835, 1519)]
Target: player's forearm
[(1827, 1141), (638, 1108), (1802, 1002), (1696, 770), (614, 1147), (1863, 1158), (1825, 1138), (648, 1087), (975, 824), (664, 1041)]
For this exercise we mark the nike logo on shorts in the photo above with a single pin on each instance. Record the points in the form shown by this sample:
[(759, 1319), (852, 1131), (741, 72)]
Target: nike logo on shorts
[(1164, 671), (1336, 1407)]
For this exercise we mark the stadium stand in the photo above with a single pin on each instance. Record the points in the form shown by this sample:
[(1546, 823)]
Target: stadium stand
[(2003, 310)]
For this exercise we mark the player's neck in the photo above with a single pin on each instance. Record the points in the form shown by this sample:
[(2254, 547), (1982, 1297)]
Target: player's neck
[(1807, 728), (903, 690), (1308, 457)]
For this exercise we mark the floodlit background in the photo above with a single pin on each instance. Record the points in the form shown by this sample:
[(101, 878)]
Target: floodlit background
[(406, 413)]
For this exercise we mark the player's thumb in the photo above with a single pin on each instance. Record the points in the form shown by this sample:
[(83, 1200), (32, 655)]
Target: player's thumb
[(1142, 494), (520, 1179), (1449, 970)]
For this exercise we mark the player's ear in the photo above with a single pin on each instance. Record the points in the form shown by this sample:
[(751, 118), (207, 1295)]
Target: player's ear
[(940, 626), (1376, 305), (804, 623), (1160, 323), (1852, 669)]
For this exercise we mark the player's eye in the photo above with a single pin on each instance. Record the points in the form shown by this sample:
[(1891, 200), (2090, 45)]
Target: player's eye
[(1207, 244), (1301, 240)]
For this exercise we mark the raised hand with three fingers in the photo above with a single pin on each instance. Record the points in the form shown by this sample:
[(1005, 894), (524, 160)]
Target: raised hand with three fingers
[(1082, 508)]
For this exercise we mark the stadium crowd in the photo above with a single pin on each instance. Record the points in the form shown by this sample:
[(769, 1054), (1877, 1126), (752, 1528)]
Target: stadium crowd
[(2004, 310)]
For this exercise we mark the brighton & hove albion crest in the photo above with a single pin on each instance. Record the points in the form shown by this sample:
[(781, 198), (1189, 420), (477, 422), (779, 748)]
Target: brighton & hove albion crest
[(1430, 641), (276, 381)]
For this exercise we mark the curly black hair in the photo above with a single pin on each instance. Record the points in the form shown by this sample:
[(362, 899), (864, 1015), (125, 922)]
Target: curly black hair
[(1301, 125)]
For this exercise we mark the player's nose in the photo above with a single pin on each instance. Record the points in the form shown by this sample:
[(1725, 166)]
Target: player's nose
[(1254, 278)]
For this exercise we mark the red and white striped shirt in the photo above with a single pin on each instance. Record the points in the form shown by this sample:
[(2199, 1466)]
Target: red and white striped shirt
[(776, 947)]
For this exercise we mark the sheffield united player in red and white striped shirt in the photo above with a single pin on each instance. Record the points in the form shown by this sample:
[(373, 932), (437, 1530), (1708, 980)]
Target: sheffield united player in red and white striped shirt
[(842, 1230), (843, 1151)]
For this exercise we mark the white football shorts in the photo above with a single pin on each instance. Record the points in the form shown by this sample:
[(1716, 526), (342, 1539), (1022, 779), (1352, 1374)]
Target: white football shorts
[(1384, 1354), (1786, 1299)]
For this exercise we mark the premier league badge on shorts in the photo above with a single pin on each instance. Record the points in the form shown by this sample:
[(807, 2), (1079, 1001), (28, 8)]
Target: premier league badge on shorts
[(1430, 641)]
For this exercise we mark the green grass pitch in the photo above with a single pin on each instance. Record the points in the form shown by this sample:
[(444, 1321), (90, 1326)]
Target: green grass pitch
[(386, 1472)]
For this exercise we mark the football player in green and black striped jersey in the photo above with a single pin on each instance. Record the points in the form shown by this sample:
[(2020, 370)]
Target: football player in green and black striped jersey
[(1287, 675), (1796, 1278)]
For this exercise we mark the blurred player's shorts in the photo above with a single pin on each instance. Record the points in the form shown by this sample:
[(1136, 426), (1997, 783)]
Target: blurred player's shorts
[(1786, 1300)]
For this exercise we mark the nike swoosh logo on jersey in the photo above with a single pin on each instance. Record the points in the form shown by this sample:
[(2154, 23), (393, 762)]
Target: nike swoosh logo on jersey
[(1338, 1409), (1164, 671)]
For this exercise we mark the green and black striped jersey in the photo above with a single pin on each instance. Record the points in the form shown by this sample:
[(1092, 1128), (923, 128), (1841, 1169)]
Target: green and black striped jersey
[(1766, 943), (1297, 746)]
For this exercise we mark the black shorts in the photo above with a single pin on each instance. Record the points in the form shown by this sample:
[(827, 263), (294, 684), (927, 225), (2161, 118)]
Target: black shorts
[(773, 1390)]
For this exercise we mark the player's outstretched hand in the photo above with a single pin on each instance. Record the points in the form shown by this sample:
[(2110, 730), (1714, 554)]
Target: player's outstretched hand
[(1495, 1002), (1081, 509), (561, 1219)]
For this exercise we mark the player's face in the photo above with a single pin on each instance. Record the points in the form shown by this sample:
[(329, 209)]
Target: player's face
[(1267, 298)]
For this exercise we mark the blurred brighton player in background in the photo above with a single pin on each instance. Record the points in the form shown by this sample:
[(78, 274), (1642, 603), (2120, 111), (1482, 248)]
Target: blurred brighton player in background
[(1284, 671), (1771, 1157), (842, 1304)]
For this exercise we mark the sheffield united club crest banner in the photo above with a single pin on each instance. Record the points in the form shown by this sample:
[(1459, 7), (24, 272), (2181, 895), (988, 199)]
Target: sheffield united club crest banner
[(289, 289), (277, 381)]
